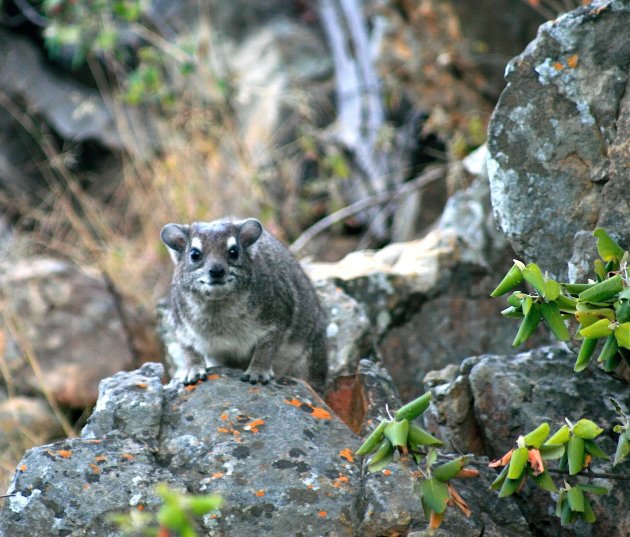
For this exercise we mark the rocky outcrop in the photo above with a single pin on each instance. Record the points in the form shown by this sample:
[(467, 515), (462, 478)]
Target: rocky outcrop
[(489, 401), (66, 328), (558, 138), (277, 454), (428, 300)]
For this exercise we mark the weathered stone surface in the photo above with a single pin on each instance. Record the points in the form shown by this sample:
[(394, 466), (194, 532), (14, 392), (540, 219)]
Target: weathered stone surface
[(348, 333), (70, 323), (558, 138), (275, 453), (502, 397)]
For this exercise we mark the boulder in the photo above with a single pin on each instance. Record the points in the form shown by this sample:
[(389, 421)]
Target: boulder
[(428, 300), (558, 138), (276, 454), (491, 400), (65, 327)]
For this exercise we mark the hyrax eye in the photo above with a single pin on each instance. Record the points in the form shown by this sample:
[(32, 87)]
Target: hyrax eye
[(233, 252), (195, 255)]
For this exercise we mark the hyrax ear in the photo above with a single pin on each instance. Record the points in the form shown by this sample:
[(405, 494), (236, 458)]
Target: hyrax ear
[(175, 237), (249, 231)]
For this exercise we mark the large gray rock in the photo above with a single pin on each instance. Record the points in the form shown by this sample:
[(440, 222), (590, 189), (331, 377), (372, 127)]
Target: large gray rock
[(558, 137), (276, 454), (491, 400), (65, 327)]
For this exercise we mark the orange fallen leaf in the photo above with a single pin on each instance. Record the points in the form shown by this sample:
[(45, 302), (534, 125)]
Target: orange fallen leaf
[(260, 493), (214, 376), (140, 507), (218, 475), (223, 417), (387, 471), (572, 61), (503, 460), (435, 520), (459, 501), (465, 473), (22, 468), (322, 514), (100, 458), (65, 453), (535, 461), (127, 456), (558, 66), (142, 385), (293, 402)]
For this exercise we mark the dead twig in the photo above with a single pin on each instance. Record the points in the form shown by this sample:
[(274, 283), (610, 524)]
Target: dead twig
[(309, 234)]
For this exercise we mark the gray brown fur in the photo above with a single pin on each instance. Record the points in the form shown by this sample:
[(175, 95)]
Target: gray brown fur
[(256, 310)]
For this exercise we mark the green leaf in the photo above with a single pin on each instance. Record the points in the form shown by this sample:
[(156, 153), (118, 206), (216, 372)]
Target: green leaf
[(528, 325), (561, 436), (373, 440), (552, 290), (594, 489), (498, 482), (510, 486), (607, 248), (414, 408), (600, 270), (449, 470), (622, 310), (623, 449), (383, 456), (553, 318), (568, 516), (575, 454), (622, 335), (609, 354), (517, 463), (586, 429), (598, 329), (545, 482), (513, 277), (551, 452), (603, 291), (576, 499), (534, 276), (397, 432), (585, 354), (588, 515), (536, 437), (591, 447), (419, 437), (434, 494), (562, 497)]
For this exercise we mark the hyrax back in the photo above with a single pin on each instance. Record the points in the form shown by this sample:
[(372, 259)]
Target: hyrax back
[(239, 298)]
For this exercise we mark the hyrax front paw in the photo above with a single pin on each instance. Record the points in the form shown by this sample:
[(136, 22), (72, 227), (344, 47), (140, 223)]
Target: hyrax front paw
[(254, 375), (194, 374)]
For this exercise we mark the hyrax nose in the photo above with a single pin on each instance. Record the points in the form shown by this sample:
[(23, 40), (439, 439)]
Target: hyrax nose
[(217, 271)]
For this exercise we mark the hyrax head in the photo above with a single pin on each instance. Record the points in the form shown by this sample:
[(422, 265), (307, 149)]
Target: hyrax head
[(211, 258)]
